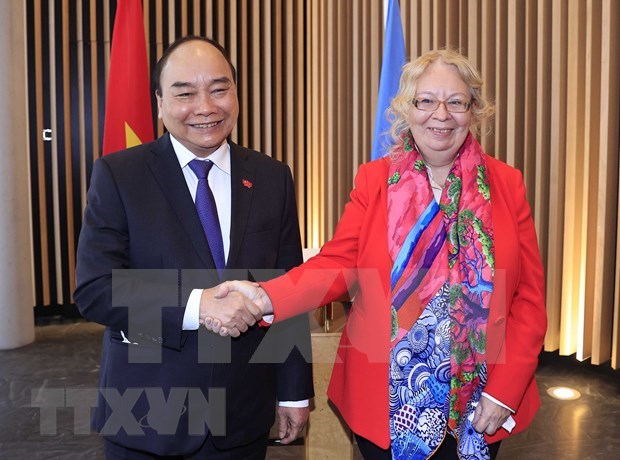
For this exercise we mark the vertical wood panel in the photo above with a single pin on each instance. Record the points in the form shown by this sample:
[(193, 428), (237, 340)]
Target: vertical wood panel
[(94, 83), (473, 33), (463, 25), (329, 46), (439, 31), (529, 161), (289, 84), (208, 18), (373, 26), (244, 75), (254, 76), (374, 63), (609, 222), (69, 165), (487, 68), (231, 43), (556, 177), (300, 125), (592, 116), (501, 81), (170, 13), (573, 295), (184, 22), (542, 133), (515, 82), (413, 27), (267, 80), (426, 26), (196, 30), (108, 19), (343, 152), (81, 108), (314, 215), (147, 12), (42, 214), (279, 90), (53, 159), (453, 25), (357, 84), (159, 45)]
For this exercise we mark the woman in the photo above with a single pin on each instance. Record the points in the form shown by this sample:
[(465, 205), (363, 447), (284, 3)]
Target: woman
[(438, 248)]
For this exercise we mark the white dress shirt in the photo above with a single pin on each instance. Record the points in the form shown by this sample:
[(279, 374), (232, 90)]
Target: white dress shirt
[(219, 182)]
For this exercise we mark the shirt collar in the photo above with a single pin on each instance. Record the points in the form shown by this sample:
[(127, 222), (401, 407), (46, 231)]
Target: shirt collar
[(220, 158)]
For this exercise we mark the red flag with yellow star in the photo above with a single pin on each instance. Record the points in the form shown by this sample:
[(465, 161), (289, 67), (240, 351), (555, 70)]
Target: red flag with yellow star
[(128, 112)]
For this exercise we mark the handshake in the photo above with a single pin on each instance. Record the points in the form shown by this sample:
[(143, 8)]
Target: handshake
[(233, 306)]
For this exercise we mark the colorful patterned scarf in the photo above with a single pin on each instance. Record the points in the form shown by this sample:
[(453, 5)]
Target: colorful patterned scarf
[(432, 244)]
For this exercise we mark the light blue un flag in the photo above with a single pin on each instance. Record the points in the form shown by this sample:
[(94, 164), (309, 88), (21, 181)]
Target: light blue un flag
[(391, 69)]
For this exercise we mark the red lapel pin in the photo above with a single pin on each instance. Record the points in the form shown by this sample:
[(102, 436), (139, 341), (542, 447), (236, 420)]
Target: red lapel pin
[(246, 183)]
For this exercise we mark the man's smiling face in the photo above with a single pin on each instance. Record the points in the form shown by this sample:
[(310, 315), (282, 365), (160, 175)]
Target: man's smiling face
[(198, 102)]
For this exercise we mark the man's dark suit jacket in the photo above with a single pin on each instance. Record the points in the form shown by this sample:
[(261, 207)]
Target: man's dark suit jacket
[(141, 222)]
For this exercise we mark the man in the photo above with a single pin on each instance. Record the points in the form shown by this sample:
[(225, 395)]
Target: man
[(161, 374)]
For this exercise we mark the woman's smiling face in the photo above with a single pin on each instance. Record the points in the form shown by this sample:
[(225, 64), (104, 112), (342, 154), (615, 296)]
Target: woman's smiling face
[(439, 134)]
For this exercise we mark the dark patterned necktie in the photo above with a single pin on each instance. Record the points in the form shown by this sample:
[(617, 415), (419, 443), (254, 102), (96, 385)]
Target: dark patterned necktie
[(207, 212)]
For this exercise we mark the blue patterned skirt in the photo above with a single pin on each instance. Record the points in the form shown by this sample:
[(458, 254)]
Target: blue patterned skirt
[(419, 390)]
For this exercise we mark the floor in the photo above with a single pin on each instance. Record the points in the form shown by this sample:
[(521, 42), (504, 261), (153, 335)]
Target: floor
[(66, 356)]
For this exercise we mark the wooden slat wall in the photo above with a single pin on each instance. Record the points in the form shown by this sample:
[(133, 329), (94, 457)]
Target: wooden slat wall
[(610, 184), (552, 68), (308, 78)]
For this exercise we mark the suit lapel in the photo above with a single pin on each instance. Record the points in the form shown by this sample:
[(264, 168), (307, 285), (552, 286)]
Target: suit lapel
[(242, 177), (165, 167)]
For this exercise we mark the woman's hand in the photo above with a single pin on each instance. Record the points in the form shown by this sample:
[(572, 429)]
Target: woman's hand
[(250, 291), (235, 312), (489, 416)]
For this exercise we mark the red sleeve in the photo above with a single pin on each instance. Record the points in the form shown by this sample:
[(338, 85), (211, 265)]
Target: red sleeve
[(332, 273)]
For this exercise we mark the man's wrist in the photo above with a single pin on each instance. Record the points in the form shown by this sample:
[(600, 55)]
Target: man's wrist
[(191, 317)]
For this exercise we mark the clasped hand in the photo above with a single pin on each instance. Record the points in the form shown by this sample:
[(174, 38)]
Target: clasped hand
[(233, 306)]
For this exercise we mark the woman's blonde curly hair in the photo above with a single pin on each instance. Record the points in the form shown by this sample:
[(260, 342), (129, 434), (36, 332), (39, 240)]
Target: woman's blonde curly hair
[(482, 109)]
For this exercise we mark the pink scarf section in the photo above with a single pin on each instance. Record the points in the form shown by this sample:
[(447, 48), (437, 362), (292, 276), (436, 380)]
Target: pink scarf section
[(431, 245)]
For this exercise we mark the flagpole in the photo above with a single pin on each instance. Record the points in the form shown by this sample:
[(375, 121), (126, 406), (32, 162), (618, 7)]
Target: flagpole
[(386, 5), (391, 68)]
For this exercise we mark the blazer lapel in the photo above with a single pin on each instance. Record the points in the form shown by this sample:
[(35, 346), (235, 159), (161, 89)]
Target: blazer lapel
[(165, 167), (242, 182), (384, 191)]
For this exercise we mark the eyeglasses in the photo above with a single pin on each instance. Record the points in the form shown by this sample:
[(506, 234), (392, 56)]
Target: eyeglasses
[(452, 105)]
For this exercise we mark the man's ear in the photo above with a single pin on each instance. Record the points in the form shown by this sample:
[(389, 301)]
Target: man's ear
[(159, 100)]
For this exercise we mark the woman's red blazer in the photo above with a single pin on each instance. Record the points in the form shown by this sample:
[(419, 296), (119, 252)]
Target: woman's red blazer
[(356, 261)]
